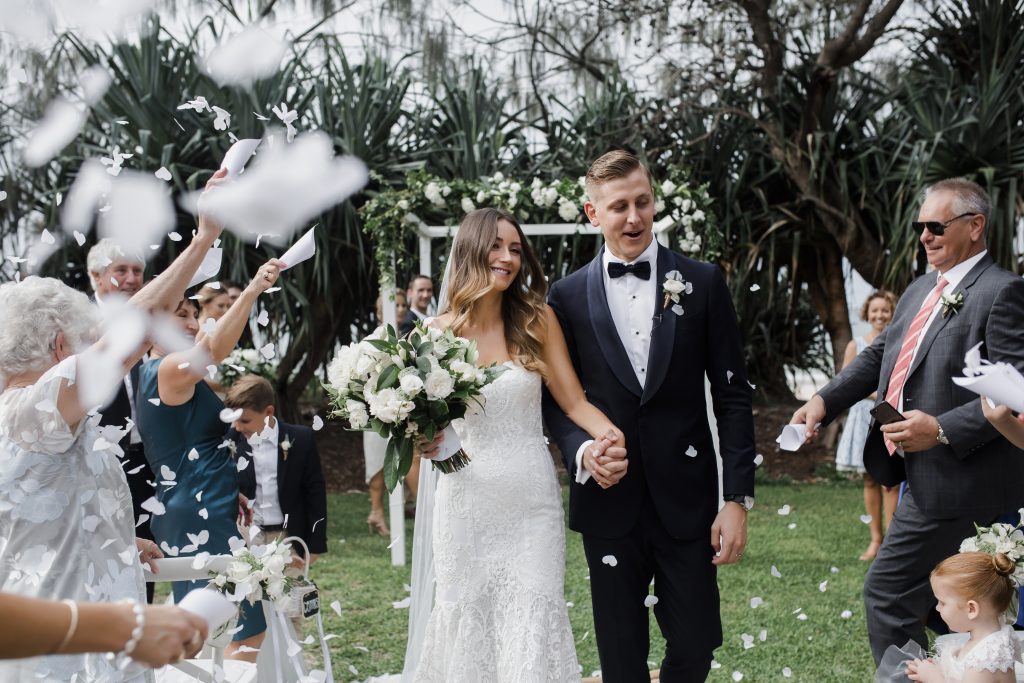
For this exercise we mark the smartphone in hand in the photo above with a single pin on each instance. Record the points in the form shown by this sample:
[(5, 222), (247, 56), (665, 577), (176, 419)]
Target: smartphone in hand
[(885, 414)]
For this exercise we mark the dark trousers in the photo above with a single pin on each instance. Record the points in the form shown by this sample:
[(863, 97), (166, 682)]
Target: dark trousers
[(142, 490), (898, 598), (687, 609)]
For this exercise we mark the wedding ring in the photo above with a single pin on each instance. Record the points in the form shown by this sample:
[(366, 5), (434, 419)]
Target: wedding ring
[(266, 276)]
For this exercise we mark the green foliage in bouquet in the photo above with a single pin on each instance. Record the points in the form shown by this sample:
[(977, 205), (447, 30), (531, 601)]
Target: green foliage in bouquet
[(404, 388)]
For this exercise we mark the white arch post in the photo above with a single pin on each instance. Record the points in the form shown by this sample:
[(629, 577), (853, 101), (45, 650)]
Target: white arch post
[(427, 234)]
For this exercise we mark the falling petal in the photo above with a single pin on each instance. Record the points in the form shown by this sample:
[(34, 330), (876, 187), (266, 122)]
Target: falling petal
[(650, 601), (691, 451), (610, 560), (785, 510), (228, 415), (318, 423), (163, 174)]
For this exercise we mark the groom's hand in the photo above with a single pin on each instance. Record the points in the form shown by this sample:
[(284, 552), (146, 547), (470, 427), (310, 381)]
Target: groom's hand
[(729, 534), (606, 461)]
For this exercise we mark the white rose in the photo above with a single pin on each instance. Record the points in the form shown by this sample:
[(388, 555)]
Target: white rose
[(536, 183), (411, 384), (467, 204), (498, 177), (275, 589), (538, 198), (698, 215), (659, 205), (446, 190), (463, 370), (480, 197), (550, 196), (339, 371), (220, 580), (970, 545), (433, 194), (515, 187), (384, 406), (678, 201), (403, 204), (668, 187), (673, 286), (274, 565), (567, 210), (238, 571), (358, 419), (439, 384), (686, 205)]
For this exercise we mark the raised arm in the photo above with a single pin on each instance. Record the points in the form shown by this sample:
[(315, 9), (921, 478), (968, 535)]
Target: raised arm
[(181, 371)]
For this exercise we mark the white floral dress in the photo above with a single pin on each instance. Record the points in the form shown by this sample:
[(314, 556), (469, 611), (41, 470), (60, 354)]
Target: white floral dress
[(995, 652), (499, 551), (66, 526)]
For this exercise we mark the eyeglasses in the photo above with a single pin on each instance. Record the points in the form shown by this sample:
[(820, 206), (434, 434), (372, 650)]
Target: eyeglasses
[(935, 227)]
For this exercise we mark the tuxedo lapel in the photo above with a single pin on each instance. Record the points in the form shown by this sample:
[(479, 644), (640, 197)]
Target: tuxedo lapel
[(664, 332), (604, 327), (941, 321), (282, 461)]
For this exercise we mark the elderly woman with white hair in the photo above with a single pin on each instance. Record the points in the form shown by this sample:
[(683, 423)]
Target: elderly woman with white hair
[(66, 527)]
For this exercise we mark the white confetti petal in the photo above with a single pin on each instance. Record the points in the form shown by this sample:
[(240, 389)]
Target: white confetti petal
[(776, 573), (59, 126), (650, 601), (823, 586), (758, 459), (756, 602), (763, 635), (243, 462), (163, 174), (728, 376), (153, 505), (737, 676), (193, 454), (691, 451), (174, 236), (204, 514), (610, 560), (79, 237), (866, 519), (802, 616), (155, 401), (787, 672), (245, 57), (228, 415), (318, 423), (755, 287), (785, 510), (267, 351), (47, 237), (336, 606), (167, 473), (846, 614), (263, 319), (791, 525), (402, 604)]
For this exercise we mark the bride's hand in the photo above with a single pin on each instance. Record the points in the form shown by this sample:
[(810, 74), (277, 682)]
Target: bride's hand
[(428, 449)]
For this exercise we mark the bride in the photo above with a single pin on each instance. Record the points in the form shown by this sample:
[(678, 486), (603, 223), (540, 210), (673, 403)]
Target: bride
[(498, 536)]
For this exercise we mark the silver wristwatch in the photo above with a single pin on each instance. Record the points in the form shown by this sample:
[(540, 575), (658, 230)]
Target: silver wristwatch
[(941, 436), (746, 501)]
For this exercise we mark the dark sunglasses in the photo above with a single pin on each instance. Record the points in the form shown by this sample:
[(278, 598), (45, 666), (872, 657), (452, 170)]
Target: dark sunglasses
[(935, 227)]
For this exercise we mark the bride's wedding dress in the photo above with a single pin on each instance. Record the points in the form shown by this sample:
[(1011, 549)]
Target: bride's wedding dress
[(499, 550)]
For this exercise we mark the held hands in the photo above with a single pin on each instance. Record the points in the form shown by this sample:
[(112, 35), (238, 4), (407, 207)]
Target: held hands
[(919, 432), (208, 228), (729, 534), (811, 414), (606, 461), (170, 635)]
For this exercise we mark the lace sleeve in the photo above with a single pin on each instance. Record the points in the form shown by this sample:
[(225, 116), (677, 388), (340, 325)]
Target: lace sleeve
[(996, 653), (29, 415)]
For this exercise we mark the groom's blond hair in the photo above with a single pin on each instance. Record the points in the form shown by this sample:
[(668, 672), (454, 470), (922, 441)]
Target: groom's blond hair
[(611, 166)]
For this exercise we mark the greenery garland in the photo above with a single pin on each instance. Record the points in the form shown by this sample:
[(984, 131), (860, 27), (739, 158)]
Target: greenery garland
[(391, 215)]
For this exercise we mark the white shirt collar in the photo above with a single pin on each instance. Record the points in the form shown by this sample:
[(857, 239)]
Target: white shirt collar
[(955, 275), (267, 437), (648, 254)]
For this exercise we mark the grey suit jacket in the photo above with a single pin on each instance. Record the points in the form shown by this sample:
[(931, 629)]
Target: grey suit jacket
[(979, 473)]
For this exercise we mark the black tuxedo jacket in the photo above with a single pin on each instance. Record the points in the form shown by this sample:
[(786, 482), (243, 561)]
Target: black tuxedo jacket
[(668, 439), (301, 490), (406, 324)]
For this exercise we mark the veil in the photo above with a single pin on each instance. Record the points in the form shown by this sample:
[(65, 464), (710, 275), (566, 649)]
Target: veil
[(422, 595)]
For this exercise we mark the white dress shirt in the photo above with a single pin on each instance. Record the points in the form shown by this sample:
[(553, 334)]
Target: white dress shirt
[(954, 276), (631, 303), (134, 437), (267, 507)]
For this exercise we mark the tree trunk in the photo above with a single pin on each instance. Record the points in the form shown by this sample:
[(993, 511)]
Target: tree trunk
[(822, 267)]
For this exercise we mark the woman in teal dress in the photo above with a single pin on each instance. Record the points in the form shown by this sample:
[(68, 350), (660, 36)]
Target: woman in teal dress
[(179, 420)]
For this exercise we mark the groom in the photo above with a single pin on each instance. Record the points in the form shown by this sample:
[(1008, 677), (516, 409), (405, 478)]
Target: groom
[(641, 358)]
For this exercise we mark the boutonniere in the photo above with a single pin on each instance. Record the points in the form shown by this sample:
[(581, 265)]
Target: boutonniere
[(674, 288), (951, 303), (232, 447), (286, 446)]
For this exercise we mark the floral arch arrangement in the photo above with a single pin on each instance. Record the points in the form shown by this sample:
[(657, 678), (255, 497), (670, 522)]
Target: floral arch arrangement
[(391, 216)]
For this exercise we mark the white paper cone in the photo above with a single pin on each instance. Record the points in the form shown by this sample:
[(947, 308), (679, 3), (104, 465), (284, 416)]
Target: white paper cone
[(237, 156), (209, 604), (303, 250)]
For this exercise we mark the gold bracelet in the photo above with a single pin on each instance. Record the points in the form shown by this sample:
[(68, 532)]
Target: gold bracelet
[(72, 627)]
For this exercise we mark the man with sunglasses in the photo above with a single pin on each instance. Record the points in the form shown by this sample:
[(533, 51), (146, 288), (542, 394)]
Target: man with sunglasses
[(959, 470)]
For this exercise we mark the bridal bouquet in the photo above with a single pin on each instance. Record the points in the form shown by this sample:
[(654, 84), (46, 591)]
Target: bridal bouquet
[(245, 362), (1007, 539), (407, 387), (256, 574)]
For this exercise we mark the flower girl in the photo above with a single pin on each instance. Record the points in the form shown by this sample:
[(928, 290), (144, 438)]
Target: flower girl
[(973, 590)]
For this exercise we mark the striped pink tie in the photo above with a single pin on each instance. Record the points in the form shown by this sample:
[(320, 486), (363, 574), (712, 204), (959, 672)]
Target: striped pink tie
[(899, 372)]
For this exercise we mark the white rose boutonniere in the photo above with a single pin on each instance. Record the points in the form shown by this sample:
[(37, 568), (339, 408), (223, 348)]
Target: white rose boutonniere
[(286, 446), (951, 303), (675, 287)]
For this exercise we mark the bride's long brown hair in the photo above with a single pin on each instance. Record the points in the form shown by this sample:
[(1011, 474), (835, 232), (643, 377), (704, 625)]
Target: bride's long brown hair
[(470, 280)]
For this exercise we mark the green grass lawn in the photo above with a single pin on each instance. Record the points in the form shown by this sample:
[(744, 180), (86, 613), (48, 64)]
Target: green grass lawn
[(824, 545)]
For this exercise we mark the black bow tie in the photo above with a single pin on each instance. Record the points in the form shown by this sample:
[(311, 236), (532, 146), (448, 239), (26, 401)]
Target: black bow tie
[(642, 269)]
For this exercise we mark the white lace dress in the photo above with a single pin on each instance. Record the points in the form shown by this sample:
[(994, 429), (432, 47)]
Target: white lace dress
[(66, 526), (499, 551), (995, 652)]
